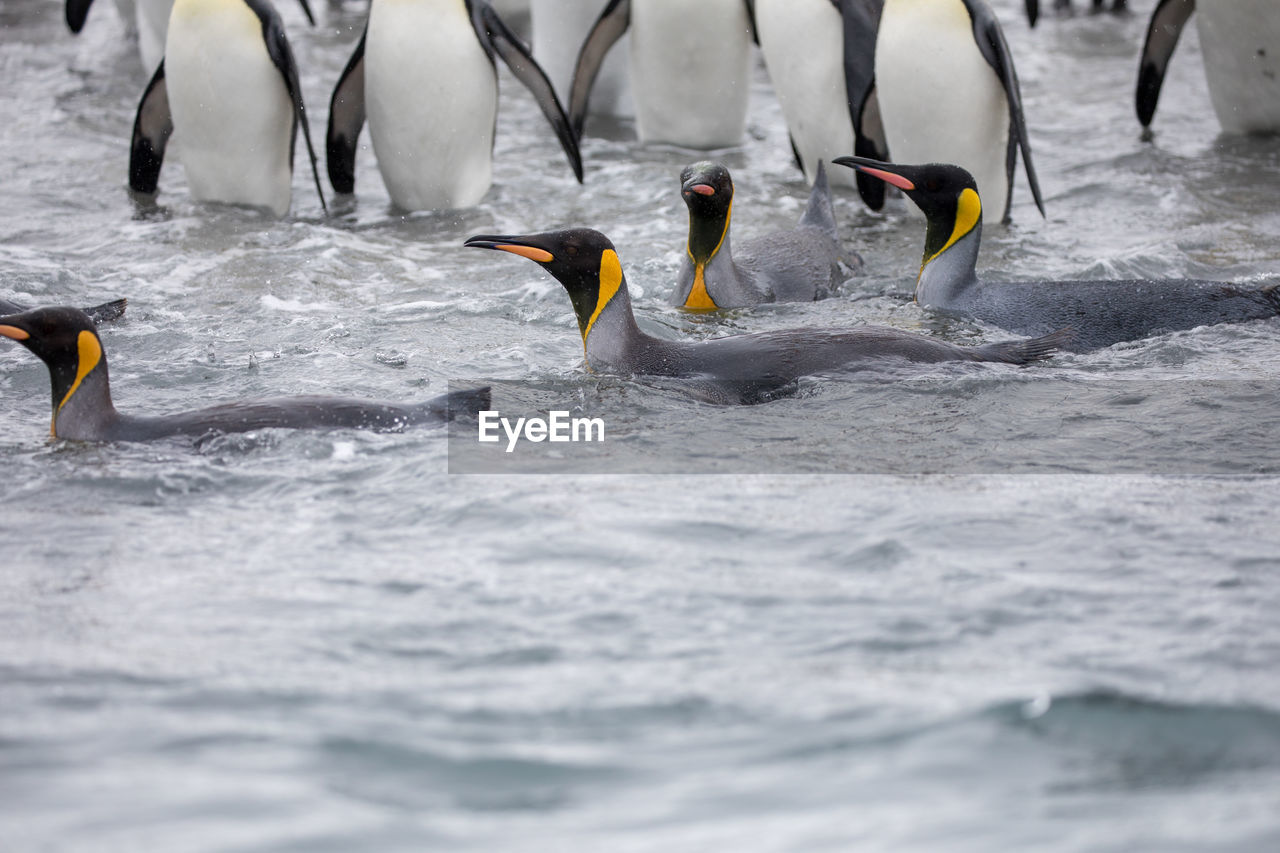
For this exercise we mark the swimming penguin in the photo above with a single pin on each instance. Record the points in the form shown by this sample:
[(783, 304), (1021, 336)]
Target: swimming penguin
[(559, 29), (66, 341), (1240, 45), (229, 86), (690, 69), (1099, 312), (821, 59), (800, 265), (424, 74), (103, 313), (948, 93), (745, 368), (149, 19)]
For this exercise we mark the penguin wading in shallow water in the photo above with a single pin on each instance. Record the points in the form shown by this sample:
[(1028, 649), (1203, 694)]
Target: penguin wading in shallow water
[(799, 265), (66, 341), (821, 60), (1240, 45), (690, 67), (1099, 312), (739, 368), (228, 86), (423, 74), (948, 93)]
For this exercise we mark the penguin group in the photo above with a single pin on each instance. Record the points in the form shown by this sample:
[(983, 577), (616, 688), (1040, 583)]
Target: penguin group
[(858, 82)]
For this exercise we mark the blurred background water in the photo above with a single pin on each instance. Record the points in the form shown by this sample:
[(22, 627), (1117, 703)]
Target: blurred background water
[(324, 641)]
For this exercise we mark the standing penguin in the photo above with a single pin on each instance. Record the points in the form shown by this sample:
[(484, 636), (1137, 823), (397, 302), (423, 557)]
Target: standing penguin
[(821, 59), (948, 93), (690, 68), (424, 76), (149, 19), (229, 86), (1240, 44)]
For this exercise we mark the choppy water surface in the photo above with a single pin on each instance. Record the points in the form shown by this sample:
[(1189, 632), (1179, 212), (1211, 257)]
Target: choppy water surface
[(293, 641)]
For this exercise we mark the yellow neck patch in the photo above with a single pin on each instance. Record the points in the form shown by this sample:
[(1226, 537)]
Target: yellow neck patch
[(90, 354), (610, 281), (699, 299), (968, 212)]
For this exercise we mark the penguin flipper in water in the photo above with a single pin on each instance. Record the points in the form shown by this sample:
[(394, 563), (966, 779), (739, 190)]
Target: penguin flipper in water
[(1167, 21), (609, 27), (861, 19), (346, 120), (66, 340), (103, 313), (77, 11), (990, 39), (497, 38)]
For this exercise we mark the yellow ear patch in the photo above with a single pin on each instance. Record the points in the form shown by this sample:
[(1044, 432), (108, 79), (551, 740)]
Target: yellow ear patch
[(610, 281), (90, 352), (540, 255), (968, 212), (13, 332)]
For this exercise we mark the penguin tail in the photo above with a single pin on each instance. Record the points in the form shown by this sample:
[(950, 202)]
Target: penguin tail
[(1026, 351), (819, 212), (467, 403), (107, 311)]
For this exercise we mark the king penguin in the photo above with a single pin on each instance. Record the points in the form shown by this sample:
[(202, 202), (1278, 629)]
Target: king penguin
[(149, 19), (67, 342), (739, 368), (1240, 46), (948, 93), (799, 265), (821, 59), (690, 69), (228, 86), (423, 74), (1098, 312)]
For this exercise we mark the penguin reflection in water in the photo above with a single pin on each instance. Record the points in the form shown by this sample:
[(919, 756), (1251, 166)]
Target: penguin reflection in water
[(228, 86), (423, 74), (740, 368), (1100, 312), (67, 342)]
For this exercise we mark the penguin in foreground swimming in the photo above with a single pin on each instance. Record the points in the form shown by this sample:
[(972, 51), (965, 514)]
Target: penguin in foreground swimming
[(820, 56), (149, 19), (948, 93), (229, 86), (66, 341), (741, 368), (104, 313), (1099, 312), (424, 75), (690, 69), (1240, 46), (800, 265)]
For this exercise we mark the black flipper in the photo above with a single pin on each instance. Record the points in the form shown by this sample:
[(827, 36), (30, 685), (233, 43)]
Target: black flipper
[(306, 10), (861, 19), (493, 33), (990, 39), (346, 120), (1166, 25), (282, 56), (77, 11), (609, 27), (1033, 12), (152, 127)]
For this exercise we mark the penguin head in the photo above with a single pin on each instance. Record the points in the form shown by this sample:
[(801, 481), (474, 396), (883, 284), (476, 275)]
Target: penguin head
[(947, 194), (582, 260), (707, 189), (66, 340)]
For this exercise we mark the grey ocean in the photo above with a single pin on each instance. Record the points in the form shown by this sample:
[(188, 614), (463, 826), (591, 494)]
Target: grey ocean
[(979, 612)]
